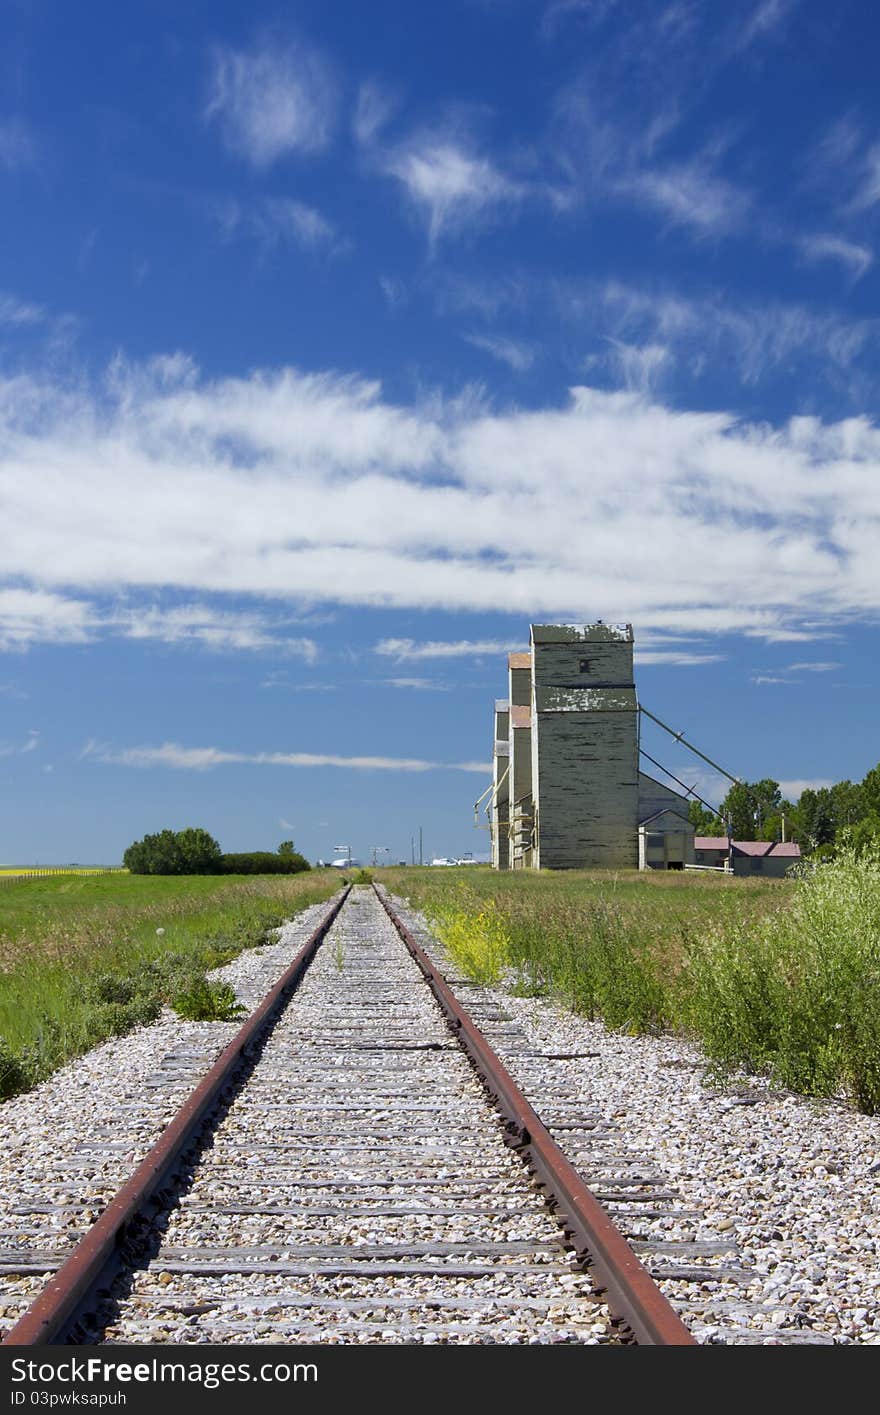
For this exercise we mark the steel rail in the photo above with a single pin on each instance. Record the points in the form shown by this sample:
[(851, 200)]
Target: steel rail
[(632, 1296), (97, 1254)]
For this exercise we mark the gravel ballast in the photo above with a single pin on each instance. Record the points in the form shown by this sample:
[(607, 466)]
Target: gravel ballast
[(783, 1193)]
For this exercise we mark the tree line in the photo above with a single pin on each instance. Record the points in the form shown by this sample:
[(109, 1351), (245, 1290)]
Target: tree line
[(820, 820), (194, 852)]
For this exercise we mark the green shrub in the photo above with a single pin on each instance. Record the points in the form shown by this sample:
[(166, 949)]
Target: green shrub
[(206, 1001), (264, 862), (797, 995), (183, 852), (13, 1071)]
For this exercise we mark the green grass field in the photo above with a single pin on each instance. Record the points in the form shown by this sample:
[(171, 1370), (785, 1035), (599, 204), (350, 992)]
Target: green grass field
[(780, 977), (81, 959)]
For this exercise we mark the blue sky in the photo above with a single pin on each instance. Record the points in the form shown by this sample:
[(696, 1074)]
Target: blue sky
[(338, 343)]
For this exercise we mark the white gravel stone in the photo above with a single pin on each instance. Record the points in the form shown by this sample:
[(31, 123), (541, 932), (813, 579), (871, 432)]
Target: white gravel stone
[(793, 1181)]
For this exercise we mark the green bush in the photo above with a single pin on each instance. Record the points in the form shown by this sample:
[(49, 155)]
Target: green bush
[(206, 1001), (183, 852), (263, 862), (13, 1071), (797, 995)]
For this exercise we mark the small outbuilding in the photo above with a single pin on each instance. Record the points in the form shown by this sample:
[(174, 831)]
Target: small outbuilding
[(666, 841), (772, 858)]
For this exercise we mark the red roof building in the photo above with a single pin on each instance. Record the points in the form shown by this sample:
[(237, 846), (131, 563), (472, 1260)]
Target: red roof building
[(747, 857)]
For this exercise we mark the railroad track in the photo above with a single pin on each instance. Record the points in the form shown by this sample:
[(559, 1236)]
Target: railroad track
[(358, 1166)]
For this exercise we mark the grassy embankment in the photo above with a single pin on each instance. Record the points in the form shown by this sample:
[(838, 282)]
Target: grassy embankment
[(81, 959), (776, 977)]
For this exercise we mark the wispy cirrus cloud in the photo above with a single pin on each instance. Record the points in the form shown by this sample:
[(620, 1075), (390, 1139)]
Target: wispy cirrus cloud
[(14, 311), (675, 658), (640, 366), (450, 185), (279, 221), (756, 338), (515, 353), (31, 616), (30, 744), (374, 107), (687, 194), (845, 164), (18, 144), (208, 626), (765, 21), (410, 649), (180, 758), (272, 100), (855, 258), (813, 667), (418, 685)]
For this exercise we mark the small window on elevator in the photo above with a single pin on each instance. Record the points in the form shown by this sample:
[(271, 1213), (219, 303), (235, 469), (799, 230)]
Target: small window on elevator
[(585, 665)]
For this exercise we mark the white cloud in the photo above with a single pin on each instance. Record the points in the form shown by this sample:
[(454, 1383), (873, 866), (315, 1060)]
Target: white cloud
[(767, 16), (765, 680), (673, 658), (18, 146), (318, 490), (689, 195), (812, 667), (373, 109), (30, 745), (213, 628), (14, 311), (409, 649), (855, 258), (794, 788), (272, 100), (758, 338), (29, 616), (419, 685), (172, 754), (868, 193), (36, 616), (451, 185), (640, 367), (514, 352), (277, 221)]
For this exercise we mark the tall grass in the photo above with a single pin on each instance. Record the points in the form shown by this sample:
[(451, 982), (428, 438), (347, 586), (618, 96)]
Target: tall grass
[(797, 995), (781, 978), (84, 961)]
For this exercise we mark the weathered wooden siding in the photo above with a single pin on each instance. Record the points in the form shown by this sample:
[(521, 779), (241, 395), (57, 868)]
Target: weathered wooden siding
[(585, 754), (520, 784), (654, 797), (666, 841), (587, 790), (519, 669), (501, 788)]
